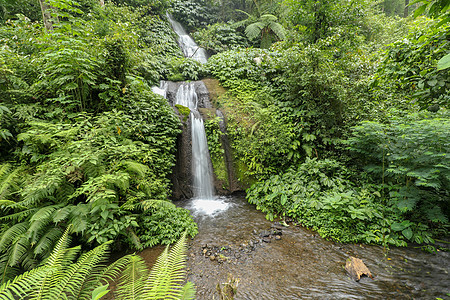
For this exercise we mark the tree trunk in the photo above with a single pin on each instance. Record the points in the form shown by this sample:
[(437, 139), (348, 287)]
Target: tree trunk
[(406, 12), (46, 15)]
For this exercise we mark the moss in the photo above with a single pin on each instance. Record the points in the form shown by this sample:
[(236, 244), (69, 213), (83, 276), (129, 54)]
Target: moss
[(220, 170), (185, 111)]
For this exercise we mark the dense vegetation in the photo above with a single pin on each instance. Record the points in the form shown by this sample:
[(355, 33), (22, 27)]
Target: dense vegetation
[(84, 141), (337, 114)]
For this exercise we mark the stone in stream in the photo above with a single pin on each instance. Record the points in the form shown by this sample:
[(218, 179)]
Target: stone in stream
[(265, 233), (266, 239), (356, 268)]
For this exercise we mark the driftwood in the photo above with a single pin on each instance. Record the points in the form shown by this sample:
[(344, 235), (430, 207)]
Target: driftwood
[(356, 268)]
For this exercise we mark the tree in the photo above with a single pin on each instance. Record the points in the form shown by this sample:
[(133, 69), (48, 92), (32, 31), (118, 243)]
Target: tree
[(46, 16), (265, 27)]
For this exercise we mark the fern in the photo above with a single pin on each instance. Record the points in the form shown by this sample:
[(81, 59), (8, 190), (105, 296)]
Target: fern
[(166, 276), (132, 282)]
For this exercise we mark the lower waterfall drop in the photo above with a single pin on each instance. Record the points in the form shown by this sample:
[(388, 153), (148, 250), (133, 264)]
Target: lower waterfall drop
[(203, 188)]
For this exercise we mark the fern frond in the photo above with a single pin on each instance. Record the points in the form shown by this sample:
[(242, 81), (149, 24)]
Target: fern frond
[(278, 29), (268, 18), (19, 216), (41, 219), (155, 204), (166, 276), (134, 167), (82, 277), (12, 234), (253, 30), (44, 186), (132, 281), (47, 241), (18, 249), (188, 291), (9, 180), (21, 285)]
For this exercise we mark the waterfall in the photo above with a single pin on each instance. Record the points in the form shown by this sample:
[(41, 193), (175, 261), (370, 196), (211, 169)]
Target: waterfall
[(187, 44), (162, 89), (201, 168)]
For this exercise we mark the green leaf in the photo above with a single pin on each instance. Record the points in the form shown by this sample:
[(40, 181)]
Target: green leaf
[(444, 63), (407, 233), (99, 292)]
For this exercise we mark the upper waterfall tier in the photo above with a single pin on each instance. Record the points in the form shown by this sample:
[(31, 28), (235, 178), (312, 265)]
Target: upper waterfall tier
[(187, 44)]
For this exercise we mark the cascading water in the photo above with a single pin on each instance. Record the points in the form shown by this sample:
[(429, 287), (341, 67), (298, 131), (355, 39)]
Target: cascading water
[(187, 44), (202, 174), (201, 169), (162, 89)]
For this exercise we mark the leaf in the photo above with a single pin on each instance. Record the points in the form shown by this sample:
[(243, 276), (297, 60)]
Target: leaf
[(407, 233), (99, 292), (419, 11), (444, 63)]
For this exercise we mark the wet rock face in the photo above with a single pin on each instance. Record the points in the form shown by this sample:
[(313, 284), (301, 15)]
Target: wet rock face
[(182, 172), (200, 89)]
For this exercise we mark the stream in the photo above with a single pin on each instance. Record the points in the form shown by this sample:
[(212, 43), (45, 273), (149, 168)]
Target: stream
[(301, 265)]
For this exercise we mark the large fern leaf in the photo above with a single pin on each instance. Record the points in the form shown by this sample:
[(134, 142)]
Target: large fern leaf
[(132, 282), (168, 273)]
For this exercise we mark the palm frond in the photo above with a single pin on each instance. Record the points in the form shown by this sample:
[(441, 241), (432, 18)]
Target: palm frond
[(132, 281), (166, 276)]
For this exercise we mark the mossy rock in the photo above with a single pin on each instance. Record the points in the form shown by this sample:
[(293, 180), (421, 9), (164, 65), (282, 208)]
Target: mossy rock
[(183, 110)]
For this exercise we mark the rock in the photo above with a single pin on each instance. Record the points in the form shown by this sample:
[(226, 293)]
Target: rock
[(250, 244), (266, 240), (212, 257), (265, 233), (356, 268), (277, 237), (204, 251), (277, 225)]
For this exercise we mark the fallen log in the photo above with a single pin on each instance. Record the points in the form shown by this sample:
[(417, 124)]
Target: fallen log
[(356, 268)]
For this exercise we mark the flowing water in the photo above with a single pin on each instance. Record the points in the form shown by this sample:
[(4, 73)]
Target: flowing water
[(301, 265), (187, 44)]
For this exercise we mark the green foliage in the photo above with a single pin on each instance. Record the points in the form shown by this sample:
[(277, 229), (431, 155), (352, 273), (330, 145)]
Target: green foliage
[(165, 225), (264, 28), (410, 67), (193, 13), (413, 153), (320, 195), (220, 37), (60, 275), (182, 69), (71, 276), (216, 149)]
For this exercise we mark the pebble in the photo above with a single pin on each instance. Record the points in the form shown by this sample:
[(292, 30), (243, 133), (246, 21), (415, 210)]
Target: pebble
[(212, 257)]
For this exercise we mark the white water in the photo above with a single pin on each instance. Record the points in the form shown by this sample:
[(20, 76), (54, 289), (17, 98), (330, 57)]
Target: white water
[(162, 89), (187, 44), (201, 168), (204, 201)]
